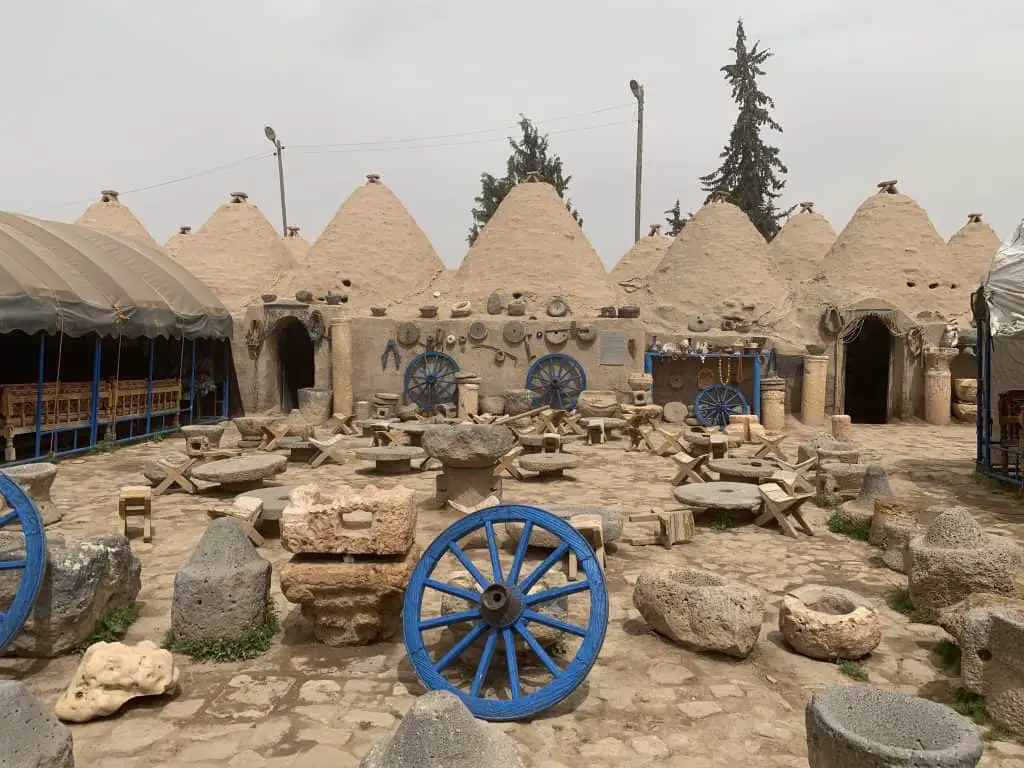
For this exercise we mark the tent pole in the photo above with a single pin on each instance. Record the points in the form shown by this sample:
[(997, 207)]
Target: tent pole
[(226, 346), (979, 398), (94, 405), (149, 387), (192, 387), (39, 392), (988, 400), (757, 386)]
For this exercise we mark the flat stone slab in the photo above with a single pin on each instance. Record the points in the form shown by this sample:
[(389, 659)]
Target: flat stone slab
[(274, 497), (719, 495), (703, 439), (242, 469), (392, 459), (607, 422), (743, 470), (548, 463), (536, 441)]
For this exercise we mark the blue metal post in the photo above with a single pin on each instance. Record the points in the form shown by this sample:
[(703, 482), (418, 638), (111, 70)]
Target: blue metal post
[(39, 393), (757, 386), (979, 396), (94, 405), (149, 386), (192, 387)]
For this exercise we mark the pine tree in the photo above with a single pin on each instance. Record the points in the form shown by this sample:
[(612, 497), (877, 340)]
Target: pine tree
[(675, 219), (529, 155), (752, 175)]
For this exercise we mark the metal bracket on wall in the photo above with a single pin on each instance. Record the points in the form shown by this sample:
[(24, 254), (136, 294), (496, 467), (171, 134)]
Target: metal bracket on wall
[(390, 348)]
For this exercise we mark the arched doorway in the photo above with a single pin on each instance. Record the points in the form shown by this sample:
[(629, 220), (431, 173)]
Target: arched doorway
[(295, 362), (868, 373)]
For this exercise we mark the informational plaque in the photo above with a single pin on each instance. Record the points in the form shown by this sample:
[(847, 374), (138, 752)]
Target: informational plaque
[(613, 348)]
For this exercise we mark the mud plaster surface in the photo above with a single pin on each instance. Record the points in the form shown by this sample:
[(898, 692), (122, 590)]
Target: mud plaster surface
[(645, 703)]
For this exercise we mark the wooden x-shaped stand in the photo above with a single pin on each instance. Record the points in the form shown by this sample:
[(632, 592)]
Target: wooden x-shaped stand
[(780, 506), (328, 450), (675, 526), (506, 465), (384, 436), (690, 468), (175, 474), (771, 445), (272, 433), (670, 445)]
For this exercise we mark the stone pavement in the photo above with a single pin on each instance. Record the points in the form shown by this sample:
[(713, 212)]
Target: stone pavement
[(646, 702)]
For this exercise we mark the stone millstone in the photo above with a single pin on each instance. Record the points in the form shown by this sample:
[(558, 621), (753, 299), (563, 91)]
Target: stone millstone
[(468, 445), (858, 725), (349, 521), (30, 737), (698, 609), (675, 412), (548, 463), (83, 584), (612, 522), (111, 674), (242, 469), (355, 603), (439, 731), (829, 623), (224, 588)]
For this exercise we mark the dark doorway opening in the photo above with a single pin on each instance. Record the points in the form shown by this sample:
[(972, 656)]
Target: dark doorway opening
[(868, 362), (295, 363)]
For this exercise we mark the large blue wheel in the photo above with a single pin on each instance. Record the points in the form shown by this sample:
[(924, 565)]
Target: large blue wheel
[(717, 403), (556, 381), (500, 610), (22, 559), (430, 380)]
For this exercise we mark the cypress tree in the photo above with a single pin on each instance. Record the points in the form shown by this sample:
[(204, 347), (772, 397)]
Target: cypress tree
[(751, 176), (529, 155), (675, 220)]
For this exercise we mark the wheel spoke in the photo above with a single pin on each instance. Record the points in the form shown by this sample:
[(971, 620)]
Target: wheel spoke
[(553, 594), (550, 621), (480, 579), (510, 660), (459, 648), (524, 544), (541, 654), (485, 663), (450, 618), (12, 515), (492, 545), (544, 567), (12, 565), (451, 589)]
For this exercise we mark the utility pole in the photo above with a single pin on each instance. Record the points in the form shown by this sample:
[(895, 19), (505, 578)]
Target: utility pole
[(638, 92), (279, 151)]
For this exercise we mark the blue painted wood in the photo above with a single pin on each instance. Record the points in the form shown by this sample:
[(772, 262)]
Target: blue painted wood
[(23, 518), (429, 663), (715, 404), (556, 381), (94, 405), (149, 388), (192, 388), (430, 380)]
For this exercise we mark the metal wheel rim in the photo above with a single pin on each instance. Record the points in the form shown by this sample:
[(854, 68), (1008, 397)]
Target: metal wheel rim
[(716, 403), (556, 380), (430, 379), (570, 677), (24, 518)]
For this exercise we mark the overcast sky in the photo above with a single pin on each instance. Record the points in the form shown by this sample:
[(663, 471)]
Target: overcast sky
[(127, 94)]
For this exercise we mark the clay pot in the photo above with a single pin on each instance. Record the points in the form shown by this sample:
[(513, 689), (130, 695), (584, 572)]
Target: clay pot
[(640, 382)]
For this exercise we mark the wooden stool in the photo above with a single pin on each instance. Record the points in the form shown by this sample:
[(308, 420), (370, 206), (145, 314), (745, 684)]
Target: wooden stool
[(591, 527), (328, 450), (780, 506), (550, 442), (691, 468), (272, 433), (595, 433), (137, 500), (718, 446), (771, 445), (676, 527)]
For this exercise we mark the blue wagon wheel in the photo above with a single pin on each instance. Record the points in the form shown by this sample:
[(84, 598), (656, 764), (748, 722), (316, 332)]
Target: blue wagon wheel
[(430, 380), (556, 381), (501, 609), (22, 564), (717, 403)]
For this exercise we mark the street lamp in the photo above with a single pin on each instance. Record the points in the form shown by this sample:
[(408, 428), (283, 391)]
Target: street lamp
[(638, 93), (279, 151)]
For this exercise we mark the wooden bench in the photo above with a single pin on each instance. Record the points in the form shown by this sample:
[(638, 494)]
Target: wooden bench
[(780, 506), (676, 527), (135, 500)]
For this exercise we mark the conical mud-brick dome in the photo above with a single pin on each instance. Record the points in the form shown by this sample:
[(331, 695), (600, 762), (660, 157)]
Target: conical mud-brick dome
[(109, 215), (891, 252), (718, 268), (297, 244), (799, 248), (372, 251), (629, 276), (236, 252), (532, 246), (972, 249), (178, 241)]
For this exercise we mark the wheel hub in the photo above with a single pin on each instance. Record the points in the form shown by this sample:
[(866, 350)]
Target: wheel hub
[(501, 605)]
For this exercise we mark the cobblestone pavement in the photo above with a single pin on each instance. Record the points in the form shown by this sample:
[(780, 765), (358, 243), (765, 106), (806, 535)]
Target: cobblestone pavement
[(647, 702)]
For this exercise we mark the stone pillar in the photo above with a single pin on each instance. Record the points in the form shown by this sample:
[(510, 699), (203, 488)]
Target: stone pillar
[(773, 404), (842, 428), (812, 408), (469, 400), (938, 385), (341, 365)]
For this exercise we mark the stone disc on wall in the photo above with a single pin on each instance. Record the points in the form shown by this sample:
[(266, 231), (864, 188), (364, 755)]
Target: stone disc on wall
[(557, 336), (513, 333), (477, 331), (407, 334), (557, 308), (675, 412), (699, 325), (495, 303)]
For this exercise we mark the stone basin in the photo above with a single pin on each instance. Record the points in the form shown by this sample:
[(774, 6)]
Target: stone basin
[(36, 479), (468, 445), (251, 427), (861, 726), (212, 432)]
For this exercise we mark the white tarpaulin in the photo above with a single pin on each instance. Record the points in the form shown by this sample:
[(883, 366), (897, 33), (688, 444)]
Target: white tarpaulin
[(1004, 287)]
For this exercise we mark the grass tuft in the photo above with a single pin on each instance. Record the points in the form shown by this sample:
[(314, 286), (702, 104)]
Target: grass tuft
[(846, 526), (948, 653), (853, 670), (241, 647), (722, 524), (111, 629), (899, 601), (972, 706)]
